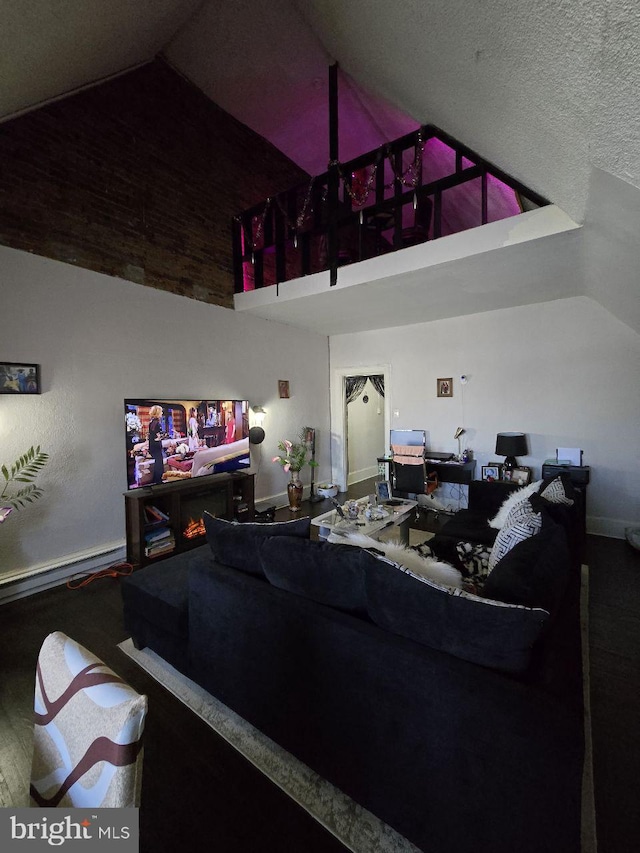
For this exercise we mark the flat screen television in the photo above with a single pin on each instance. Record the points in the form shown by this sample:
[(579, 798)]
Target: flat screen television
[(172, 440)]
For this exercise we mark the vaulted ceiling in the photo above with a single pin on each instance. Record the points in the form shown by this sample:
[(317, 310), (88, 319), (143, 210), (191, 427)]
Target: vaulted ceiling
[(547, 91)]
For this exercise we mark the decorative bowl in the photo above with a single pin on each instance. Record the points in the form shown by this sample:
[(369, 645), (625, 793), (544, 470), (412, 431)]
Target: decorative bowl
[(327, 490)]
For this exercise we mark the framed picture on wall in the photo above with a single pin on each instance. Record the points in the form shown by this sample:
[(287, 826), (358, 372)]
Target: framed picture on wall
[(283, 389), (445, 387), (19, 378)]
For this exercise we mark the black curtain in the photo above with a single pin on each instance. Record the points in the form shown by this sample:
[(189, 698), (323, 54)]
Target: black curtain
[(378, 384), (354, 385)]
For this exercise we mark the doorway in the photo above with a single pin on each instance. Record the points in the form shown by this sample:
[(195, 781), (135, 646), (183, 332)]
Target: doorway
[(359, 430)]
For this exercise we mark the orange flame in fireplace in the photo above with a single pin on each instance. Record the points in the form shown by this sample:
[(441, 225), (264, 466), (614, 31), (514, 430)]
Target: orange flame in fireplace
[(194, 528)]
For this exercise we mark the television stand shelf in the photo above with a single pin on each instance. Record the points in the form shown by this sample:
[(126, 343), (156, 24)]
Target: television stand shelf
[(166, 519)]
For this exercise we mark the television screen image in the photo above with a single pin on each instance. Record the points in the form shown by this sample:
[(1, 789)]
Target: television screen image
[(171, 440)]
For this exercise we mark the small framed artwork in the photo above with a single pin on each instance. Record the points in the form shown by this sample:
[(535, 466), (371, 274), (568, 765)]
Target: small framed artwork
[(17, 378), (521, 476), (383, 490), (491, 472), (445, 387), (283, 389)]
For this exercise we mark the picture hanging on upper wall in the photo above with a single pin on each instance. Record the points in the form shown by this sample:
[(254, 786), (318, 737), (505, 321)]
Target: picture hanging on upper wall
[(18, 378), (283, 388), (445, 387)]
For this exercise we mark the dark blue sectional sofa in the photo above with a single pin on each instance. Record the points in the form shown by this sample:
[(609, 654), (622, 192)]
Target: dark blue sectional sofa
[(457, 721)]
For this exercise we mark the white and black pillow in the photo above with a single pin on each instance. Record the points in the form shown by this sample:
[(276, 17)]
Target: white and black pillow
[(521, 523), (475, 562), (558, 490)]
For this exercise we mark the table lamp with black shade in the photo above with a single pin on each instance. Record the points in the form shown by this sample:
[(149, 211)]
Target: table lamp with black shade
[(511, 444)]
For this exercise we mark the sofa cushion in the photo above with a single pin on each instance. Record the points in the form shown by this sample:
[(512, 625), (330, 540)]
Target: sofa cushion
[(489, 633), (535, 572), (326, 572), (522, 522), (237, 545)]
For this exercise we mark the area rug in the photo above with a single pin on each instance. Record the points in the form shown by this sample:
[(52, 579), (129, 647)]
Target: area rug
[(354, 826), (589, 838)]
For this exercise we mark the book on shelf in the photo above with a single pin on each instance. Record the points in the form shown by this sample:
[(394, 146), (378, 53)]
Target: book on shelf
[(158, 535), (155, 514), (160, 544), (156, 550)]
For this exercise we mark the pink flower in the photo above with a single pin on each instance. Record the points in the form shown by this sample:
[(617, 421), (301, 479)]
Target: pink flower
[(287, 467), (276, 459)]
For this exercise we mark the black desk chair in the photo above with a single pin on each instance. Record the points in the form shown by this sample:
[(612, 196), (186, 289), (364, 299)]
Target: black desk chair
[(413, 479)]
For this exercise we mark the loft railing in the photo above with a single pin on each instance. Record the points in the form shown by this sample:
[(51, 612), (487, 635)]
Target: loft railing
[(420, 187)]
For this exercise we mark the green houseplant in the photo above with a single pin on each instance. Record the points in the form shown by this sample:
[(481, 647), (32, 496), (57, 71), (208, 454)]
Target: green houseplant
[(23, 471)]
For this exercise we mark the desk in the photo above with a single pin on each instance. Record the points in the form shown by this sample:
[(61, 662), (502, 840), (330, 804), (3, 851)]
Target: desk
[(448, 472)]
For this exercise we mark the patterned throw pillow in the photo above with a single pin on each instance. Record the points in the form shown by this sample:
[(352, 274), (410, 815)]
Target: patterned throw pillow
[(522, 522), (475, 563), (558, 491)]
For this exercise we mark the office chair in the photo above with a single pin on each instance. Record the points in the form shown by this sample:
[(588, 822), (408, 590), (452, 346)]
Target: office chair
[(87, 750), (413, 479), (410, 473)]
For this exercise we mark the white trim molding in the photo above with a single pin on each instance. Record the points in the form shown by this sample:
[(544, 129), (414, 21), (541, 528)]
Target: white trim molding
[(339, 461), (23, 582)]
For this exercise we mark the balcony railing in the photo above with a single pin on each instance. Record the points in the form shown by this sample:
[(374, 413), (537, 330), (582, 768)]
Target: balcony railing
[(420, 187)]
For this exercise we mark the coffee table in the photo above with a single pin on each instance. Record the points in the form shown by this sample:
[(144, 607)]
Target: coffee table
[(394, 522)]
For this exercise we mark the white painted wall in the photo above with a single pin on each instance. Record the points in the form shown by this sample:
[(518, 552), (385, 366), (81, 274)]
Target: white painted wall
[(100, 339), (366, 441), (565, 372)]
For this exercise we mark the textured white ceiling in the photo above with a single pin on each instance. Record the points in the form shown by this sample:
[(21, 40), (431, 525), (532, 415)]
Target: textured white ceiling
[(51, 47), (547, 91)]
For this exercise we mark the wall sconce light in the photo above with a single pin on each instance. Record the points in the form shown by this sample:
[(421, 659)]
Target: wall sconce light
[(259, 413)]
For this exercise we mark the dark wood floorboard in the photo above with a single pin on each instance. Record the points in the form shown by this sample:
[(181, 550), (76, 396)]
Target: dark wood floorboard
[(197, 791)]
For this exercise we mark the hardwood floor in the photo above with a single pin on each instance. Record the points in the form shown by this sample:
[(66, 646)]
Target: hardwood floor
[(198, 791)]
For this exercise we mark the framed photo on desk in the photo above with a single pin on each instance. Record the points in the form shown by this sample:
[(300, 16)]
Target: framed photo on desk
[(383, 490), (521, 476), (492, 471)]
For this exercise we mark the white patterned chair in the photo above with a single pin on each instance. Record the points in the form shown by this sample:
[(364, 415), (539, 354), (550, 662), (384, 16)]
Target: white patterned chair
[(87, 732)]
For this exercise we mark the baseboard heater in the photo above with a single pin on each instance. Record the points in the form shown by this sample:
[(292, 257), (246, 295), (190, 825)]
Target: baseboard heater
[(23, 582)]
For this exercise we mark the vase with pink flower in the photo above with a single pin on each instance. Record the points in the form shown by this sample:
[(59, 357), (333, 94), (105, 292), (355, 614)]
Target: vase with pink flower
[(293, 457)]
